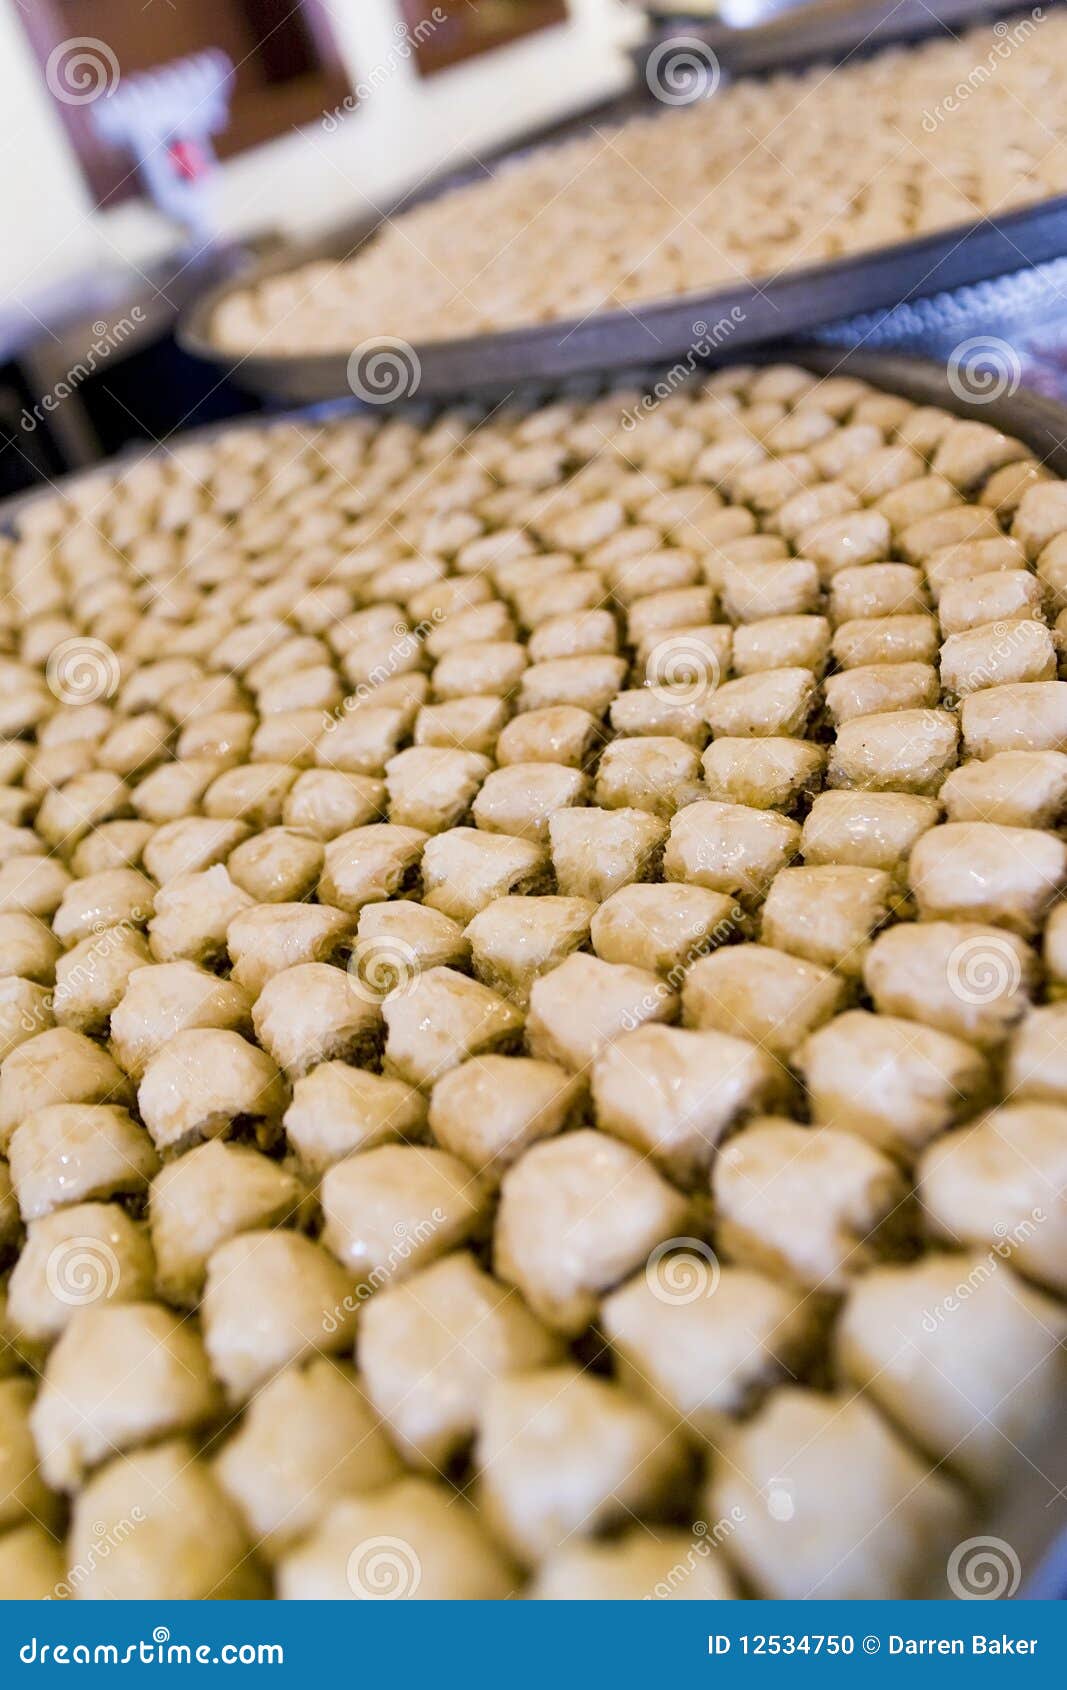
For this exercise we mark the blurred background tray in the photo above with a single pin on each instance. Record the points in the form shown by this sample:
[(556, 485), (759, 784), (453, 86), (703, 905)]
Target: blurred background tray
[(795, 302)]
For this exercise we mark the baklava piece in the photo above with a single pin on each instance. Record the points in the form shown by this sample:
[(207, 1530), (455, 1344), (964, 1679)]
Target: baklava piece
[(782, 586), (997, 654), (999, 597), (639, 1566), (369, 864), (337, 1110), (814, 1205), (206, 1197), (398, 939), (827, 914), (1013, 789), (57, 1066), (1026, 716), (307, 1438), (440, 1020), (894, 1082), (587, 683), (657, 775), (272, 1299), (204, 1082), (980, 871), (521, 799), (92, 978), (431, 788), (119, 897), (874, 591), (766, 996), (492, 668), (958, 977), (577, 1214), (560, 733), (186, 847), (25, 1009), (29, 948), (1040, 516), (431, 1347), (965, 1357), (999, 1184), (74, 1258), (596, 851), (876, 689), (32, 1564), (188, 1545), (562, 1454), (703, 1343), (871, 641), (585, 1003), (674, 1093), (23, 1491), (278, 866), (76, 1152), (267, 938), (411, 1540), (770, 703), (830, 1503), (902, 750), (192, 916), (872, 830), (730, 848), (664, 928), (661, 712), (516, 940), (469, 724), (314, 1013), (166, 998), (464, 870), (488, 1111), (79, 1418), (396, 1208), (32, 886)]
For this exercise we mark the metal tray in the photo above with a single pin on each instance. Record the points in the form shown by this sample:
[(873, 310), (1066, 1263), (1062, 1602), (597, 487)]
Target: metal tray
[(1034, 1525), (792, 303)]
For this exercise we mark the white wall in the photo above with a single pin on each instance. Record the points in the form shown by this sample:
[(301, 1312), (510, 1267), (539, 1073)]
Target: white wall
[(402, 129)]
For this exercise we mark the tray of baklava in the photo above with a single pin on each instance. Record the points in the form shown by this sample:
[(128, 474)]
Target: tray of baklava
[(670, 230), (534, 1012)]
